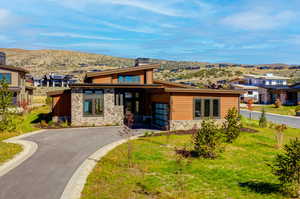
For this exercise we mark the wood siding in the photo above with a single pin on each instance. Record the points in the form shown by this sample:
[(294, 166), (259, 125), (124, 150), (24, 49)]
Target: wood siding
[(14, 77), (146, 77), (182, 105), (61, 105)]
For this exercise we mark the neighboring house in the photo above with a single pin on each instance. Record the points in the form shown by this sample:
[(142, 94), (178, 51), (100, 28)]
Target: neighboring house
[(106, 96), (288, 95), (54, 80), (265, 80), (250, 92), (15, 76)]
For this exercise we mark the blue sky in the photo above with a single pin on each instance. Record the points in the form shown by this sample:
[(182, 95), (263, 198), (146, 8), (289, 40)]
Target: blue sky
[(239, 31)]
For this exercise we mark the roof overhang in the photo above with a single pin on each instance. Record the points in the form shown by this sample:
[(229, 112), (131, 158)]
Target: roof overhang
[(207, 91), (58, 92), (121, 70), (92, 85), (168, 83), (13, 68)]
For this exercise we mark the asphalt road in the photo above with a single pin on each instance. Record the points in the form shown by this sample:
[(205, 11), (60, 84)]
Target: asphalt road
[(278, 119), (46, 173)]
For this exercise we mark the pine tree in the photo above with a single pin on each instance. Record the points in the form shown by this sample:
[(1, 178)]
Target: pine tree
[(263, 120)]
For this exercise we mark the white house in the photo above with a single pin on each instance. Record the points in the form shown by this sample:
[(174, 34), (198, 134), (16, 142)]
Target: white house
[(250, 92), (265, 80)]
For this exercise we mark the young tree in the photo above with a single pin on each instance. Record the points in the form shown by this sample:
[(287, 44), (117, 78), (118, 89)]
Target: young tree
[(250, 107), (232, 125), (287, 167), (279, 134), (278, 103), (263, 120), (6, 123), (207, 140)]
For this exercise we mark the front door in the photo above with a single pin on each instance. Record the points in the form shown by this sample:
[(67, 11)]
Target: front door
[(160, 115)]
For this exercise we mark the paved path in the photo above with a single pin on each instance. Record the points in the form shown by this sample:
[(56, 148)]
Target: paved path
[(278, 119), (46, 173)]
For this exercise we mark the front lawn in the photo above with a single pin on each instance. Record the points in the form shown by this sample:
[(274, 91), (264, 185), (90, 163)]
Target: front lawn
[(25, 124), (283, 110), (240, 172)]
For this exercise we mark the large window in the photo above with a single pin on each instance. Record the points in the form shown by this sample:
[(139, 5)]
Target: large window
[(161, 115), (6, 76), (129, 79), (206, 108), (93, 103)]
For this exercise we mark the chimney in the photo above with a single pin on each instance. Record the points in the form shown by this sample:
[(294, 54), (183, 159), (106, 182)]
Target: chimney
[(2, 58), (142, 61)]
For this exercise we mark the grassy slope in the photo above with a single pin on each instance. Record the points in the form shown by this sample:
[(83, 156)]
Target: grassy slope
[(25, 125), (283, 110), (240, 172)]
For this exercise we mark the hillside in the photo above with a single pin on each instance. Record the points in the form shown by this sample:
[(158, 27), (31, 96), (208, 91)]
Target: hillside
[(41, 62)]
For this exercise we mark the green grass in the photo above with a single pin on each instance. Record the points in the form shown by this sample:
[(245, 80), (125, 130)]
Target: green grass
[(241, 171), (25, 124), (283, 110)]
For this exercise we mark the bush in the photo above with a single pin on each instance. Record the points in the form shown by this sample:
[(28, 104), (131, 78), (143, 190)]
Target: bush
[(263, 120), (207, 139), (297, 109), (277, 103), (232, 125), (287, 167), (48, 101), (43, 124)]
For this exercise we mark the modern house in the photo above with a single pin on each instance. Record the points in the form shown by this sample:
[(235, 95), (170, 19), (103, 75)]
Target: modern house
[(104, 97), (265, 80), (54, 80), (250, 92), (15, 77), (288, 95)]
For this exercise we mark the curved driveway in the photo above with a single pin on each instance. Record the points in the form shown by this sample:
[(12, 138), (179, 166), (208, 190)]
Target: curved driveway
[(46, 173)]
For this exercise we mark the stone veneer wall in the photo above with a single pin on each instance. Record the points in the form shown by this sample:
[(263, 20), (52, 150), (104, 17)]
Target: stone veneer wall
[(113, 115), (188, 124)]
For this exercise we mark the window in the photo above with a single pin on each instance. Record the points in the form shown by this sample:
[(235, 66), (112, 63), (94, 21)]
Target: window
[(6, 76), (129, 79), (250, 92), (206, 108), (93, 103)]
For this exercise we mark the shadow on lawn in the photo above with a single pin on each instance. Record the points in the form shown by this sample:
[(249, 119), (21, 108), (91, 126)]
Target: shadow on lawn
[(261, 187), (42, 116)]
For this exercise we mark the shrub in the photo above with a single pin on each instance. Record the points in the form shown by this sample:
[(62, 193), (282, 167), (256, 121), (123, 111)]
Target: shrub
[(43, 124), (6, 115), (279, 134), (277, 103), (64, 124), (48, 101), (297, 109), (263, 120), (207, 140), (232, 126), (287, 167)]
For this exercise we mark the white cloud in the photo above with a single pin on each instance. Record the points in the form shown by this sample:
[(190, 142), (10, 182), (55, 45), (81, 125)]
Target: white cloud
[(5, 17), (80, 36), (142, 29), (158, 7), (259, 19)]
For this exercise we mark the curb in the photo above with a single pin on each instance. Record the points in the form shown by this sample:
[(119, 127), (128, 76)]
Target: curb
[(76, 184), (29, 148)]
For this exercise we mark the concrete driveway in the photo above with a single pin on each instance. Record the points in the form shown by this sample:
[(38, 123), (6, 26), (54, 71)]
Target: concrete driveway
[(278, 119), (60, 152)]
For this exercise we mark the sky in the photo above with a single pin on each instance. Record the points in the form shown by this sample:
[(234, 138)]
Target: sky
[(236, 31)]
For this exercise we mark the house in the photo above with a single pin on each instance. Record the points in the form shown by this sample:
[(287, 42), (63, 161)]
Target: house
[(288, 95), (104, 97), (53, 80), (15, 77), (265, 80), (250, 92)]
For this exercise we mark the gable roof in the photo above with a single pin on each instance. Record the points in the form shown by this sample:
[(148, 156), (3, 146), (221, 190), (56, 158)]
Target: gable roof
[(13, 68), (122, 70)]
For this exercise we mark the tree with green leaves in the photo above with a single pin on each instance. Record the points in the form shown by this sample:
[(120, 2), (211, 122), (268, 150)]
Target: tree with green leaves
[(232, 126), (6, 123), (287, 168), (263, 120), (207, 139)]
